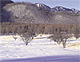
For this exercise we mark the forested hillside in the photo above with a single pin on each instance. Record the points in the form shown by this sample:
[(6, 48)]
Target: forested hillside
[(24, 12), (3, 17)]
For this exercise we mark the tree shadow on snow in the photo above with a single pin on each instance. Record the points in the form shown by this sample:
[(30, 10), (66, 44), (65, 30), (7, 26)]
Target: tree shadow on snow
[(46, 59)]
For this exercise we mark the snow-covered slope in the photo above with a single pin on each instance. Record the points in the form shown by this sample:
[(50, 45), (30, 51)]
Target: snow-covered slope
[(38, 47), (60, 8)]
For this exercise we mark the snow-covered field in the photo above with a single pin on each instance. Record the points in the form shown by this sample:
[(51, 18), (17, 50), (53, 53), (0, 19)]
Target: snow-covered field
[(39, 49)]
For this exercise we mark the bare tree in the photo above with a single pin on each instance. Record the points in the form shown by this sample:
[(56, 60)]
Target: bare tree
[(27, 37), (60, 37), (15, 37), (76, 33)]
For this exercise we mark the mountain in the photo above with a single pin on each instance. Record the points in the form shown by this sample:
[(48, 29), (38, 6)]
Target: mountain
[(2, 4), (24, 12), (60, 8), (43, 6)]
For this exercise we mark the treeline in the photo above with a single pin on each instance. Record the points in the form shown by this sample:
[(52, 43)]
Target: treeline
[(60, 32), (13, 28)]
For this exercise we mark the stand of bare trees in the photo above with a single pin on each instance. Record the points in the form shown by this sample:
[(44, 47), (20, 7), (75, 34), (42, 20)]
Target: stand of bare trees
[(27, 37), (76, 32), (61, 32), (60, 37)]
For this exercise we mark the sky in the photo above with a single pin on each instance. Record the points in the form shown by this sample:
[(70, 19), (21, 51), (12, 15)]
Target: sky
[(52, 3)]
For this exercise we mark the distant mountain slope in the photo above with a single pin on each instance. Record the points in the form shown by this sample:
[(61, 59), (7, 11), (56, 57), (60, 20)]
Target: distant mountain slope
[(40, 13), (65, 17), (60, 8), (26, 12), (2, 4)]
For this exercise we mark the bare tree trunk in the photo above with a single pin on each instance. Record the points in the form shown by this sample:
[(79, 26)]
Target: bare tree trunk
[(58, 42), (64, 43)]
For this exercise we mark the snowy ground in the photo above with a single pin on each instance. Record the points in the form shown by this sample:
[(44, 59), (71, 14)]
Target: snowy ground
[(39, 49)]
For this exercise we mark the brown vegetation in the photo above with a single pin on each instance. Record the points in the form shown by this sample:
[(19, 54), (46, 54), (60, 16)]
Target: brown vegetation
[(61, 32), (7, 28)]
